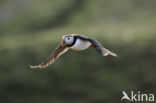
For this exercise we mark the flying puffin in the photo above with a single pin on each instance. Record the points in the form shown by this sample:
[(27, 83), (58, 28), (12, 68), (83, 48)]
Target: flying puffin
[(74, 42)]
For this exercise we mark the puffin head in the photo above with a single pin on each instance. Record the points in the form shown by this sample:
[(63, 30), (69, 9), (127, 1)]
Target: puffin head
[(67, 40)]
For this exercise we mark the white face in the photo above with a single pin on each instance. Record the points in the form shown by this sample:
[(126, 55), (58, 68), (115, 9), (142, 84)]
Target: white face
[(69, 40)]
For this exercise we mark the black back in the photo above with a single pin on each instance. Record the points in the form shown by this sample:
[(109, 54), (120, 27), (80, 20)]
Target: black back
[(78, 37)]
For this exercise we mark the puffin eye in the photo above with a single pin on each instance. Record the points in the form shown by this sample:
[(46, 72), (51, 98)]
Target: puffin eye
[(68, 38)]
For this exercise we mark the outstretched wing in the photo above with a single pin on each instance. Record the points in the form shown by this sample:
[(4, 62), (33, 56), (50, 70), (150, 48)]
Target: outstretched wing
[(103, 51), (52, 58)]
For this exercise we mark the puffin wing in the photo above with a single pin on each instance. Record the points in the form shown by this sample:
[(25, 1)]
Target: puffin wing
[(103, 51), (52, 58)]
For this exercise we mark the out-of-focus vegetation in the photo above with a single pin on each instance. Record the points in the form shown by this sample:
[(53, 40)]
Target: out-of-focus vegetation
[(31, 29)]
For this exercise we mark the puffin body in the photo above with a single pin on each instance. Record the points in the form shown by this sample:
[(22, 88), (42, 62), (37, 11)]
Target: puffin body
[(74, 42), (80, 44)]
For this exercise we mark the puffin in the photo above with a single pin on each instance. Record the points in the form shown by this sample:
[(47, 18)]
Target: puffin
[(74, 42)]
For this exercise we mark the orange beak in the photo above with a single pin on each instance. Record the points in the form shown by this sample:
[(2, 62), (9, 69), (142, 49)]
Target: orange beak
[(62, 41)]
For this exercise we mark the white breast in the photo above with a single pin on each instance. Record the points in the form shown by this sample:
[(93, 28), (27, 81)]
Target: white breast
[(80, 45)]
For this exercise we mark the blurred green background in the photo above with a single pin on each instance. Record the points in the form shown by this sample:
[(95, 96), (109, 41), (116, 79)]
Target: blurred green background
[(31, 29)]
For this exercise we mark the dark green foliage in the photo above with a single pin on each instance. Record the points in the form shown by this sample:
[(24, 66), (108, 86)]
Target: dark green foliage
[(77, 76)]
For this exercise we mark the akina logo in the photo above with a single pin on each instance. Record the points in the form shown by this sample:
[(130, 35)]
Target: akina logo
[(138, 96)]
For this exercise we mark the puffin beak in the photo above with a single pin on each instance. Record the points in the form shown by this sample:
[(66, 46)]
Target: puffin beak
[(62, 41)]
